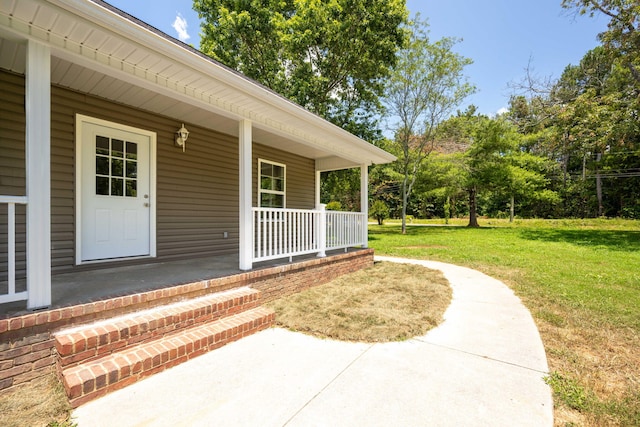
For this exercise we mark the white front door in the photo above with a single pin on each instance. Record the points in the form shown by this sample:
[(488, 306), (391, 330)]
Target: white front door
[(115, 191)]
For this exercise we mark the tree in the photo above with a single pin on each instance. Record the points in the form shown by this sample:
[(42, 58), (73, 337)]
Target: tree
[(425, 86), (487, 163), (622, 38), (526, 180), (379, 211), (587, 122), (596, 122), (331, 57)]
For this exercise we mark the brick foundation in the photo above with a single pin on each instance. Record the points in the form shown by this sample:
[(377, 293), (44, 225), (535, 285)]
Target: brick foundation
[(27, 348)]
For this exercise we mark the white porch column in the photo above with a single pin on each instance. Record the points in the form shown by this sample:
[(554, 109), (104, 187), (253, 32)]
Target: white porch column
[(246, 220), (38, 171), (318, 186), (364, 201)]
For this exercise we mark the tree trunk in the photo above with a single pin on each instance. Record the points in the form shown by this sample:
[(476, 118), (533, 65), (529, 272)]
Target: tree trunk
[(565, 161), (512, 209), (599, 186), (404, 208), (447, 210), (473, 219), (454, 213)]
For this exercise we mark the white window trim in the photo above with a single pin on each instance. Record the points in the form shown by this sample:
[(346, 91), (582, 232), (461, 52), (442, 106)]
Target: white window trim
[(80, 121), (260, 190)]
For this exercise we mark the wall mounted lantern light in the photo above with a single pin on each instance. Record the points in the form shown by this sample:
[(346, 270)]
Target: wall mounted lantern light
[(181, 137)]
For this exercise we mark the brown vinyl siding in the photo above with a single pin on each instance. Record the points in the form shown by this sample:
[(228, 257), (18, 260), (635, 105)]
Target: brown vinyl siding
[(197, 194), (12, 129), (300, 178), (12, 170)]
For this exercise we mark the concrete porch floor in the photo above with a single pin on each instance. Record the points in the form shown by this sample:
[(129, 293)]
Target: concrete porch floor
[(86, 286)]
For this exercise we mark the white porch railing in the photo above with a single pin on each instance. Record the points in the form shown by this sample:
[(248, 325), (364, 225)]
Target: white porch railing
[(280, 233), (345, 229), (12, 295)]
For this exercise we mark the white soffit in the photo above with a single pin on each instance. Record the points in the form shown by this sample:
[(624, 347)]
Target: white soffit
[(97, 50)]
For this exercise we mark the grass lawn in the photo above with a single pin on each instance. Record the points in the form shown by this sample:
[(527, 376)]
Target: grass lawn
[(581, 281)]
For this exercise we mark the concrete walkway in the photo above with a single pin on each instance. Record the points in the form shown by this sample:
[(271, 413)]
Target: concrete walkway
[(483, 366)]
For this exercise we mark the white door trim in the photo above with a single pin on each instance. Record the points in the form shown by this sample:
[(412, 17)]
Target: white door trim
[(81, 120)]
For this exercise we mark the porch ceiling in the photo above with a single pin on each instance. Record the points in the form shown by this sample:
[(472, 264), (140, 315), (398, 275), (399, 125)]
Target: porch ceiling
[(99, 50)]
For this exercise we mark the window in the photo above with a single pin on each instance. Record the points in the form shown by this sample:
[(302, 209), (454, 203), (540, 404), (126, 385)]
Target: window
[(116, 167), (271, 184)]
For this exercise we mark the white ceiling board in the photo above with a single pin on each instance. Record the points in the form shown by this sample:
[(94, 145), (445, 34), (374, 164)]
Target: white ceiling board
[(44, 19)]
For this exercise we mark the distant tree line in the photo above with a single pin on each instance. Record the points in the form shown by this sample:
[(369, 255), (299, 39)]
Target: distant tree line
[(565, 148)]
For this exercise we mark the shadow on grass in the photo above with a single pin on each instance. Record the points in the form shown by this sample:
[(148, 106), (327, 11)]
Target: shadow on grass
[(414, 230), (627, 241)]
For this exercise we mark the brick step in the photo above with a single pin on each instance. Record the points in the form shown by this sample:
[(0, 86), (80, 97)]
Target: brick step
[(93, 379), (89, 342)]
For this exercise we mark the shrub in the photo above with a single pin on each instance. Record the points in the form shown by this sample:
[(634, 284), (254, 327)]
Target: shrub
[(379, 211), (334, 205)]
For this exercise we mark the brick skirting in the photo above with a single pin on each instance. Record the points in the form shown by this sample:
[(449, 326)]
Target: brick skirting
[(27, 349)]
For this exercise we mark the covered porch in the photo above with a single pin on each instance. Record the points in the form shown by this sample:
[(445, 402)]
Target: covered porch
[(98, 66)]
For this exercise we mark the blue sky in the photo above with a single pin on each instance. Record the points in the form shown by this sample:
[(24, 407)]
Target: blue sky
[(501, 36)]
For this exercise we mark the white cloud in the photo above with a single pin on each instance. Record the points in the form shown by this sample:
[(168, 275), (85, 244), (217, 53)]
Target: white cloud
[(180, 25), (502, 111)]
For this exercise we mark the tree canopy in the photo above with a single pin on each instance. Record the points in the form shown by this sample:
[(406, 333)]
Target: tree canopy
[(331, 57), (622, 38)]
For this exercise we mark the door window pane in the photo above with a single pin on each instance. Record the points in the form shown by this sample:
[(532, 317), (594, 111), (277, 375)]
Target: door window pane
[(132, 150), (116, 167), (117, 185), (131, 190), (117, 148), (102, 165), (102, 185), (102, 145), (132, 169)]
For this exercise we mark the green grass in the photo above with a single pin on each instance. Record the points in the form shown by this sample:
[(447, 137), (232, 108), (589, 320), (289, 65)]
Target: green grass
[(581, 281), (592, 269)]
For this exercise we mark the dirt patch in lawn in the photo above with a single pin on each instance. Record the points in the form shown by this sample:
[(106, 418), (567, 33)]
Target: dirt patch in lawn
[(386, 302)]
